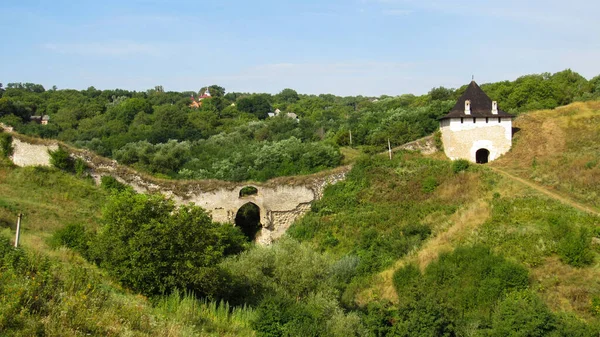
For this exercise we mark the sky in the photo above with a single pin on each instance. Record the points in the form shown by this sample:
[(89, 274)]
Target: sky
[(342, 47)]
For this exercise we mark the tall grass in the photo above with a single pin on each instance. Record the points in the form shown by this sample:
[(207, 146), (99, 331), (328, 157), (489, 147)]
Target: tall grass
[(40, 295)]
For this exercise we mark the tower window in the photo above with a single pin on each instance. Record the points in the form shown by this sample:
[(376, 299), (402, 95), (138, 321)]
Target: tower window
[(487, 119), (474, 119), (462, 120), (499, 119)]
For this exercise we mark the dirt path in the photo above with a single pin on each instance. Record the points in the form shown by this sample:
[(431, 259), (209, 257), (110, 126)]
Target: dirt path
[(458, 226), (564, 200)]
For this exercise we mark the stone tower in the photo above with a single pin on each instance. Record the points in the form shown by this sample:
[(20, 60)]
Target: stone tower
[(476, 129)]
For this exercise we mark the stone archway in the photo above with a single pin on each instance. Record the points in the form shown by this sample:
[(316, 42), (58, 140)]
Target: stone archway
[(482, 156), (248, 219)]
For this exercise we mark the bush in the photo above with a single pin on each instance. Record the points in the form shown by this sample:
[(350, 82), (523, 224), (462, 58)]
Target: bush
[(80, 167), (61, 159), (460, 165), (153, 247), (6, 148), (429, 184), (74, 236), (575, 248), (437, 138), (522, 313), (111, 183)]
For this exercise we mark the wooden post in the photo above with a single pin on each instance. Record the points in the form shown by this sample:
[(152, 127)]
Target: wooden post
[(18, 230), (350, 138), (390, 148)]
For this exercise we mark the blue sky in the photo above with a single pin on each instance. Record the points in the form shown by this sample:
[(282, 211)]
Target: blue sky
[(351, 47)]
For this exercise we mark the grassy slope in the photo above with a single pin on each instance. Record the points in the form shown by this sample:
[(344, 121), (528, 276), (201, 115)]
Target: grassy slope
[(559, 149), (518, 221), (59, 293)]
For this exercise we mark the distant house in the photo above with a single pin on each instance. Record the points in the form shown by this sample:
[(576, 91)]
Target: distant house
[(40, 119), (197, 103), (288, 115), (476, 129)]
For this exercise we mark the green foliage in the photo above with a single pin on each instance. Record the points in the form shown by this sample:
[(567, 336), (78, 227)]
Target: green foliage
[(437, 139), (42, 296), (595, 304), (6, 148), (522, 313), (61, 159), (80, 167), (110, 183), (74, 236), (153, 247), (248, 190), (378, 213), (460, 165), (518, 227), (295, 289), (429, 184), (575, 249)]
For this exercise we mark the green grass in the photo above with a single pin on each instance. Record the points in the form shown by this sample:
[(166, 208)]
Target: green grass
[(559, 149), (384, 209), (58, 293)]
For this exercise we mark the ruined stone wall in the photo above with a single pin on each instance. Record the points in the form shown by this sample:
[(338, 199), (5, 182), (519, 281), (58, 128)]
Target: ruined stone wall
[(425, 145), (462, 140), (26, 154), (281, 200)]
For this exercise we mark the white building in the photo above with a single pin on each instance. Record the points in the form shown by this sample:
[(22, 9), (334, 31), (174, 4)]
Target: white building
[(476, 129)]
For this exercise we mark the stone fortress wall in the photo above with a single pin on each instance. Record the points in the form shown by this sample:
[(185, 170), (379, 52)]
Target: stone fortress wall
[(462, 140), (281, 200)]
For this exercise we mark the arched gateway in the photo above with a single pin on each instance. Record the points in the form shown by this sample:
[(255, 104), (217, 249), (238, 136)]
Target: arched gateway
[(248, 219), (482, 156)]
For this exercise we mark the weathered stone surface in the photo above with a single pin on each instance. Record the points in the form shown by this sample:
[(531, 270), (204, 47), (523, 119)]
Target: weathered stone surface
[(25, 154), (463, 139), (281, 200)]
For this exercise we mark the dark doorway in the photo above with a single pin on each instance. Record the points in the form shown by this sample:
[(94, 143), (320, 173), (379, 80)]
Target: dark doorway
[(482, 156), (248, 219)]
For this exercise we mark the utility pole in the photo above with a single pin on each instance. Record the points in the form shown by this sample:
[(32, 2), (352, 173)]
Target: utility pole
[(390, 148), (350, 138), (18, 230)]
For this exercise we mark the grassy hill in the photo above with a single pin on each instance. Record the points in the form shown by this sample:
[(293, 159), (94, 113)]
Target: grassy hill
[(408, 243), (559, 149)]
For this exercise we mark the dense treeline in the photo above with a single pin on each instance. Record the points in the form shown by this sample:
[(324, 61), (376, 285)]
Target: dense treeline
[(158, 131)]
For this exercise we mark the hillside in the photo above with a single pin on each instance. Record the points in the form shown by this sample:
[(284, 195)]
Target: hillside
[(532, 221), (414, 244), (559, 149)]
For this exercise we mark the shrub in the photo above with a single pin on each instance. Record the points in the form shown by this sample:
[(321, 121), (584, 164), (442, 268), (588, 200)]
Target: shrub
[(153, 247), (80, 167), (74, 236), (61, 159), (429, 184), (460, 165), (437, 138), (406, 278), (575, 248), (6, 149), (111, 183), (522, 313)]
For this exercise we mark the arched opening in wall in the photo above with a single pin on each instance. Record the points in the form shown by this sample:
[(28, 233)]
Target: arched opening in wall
[(248, 190), (482, 156), (248, 219)]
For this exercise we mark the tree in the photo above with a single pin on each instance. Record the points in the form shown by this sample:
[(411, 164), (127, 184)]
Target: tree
[(287, 96), (153, 247), (440, 94), (257, 105)]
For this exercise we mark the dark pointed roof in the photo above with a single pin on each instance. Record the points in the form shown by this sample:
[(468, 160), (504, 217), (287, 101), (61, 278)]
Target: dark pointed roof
[(481, 104)]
